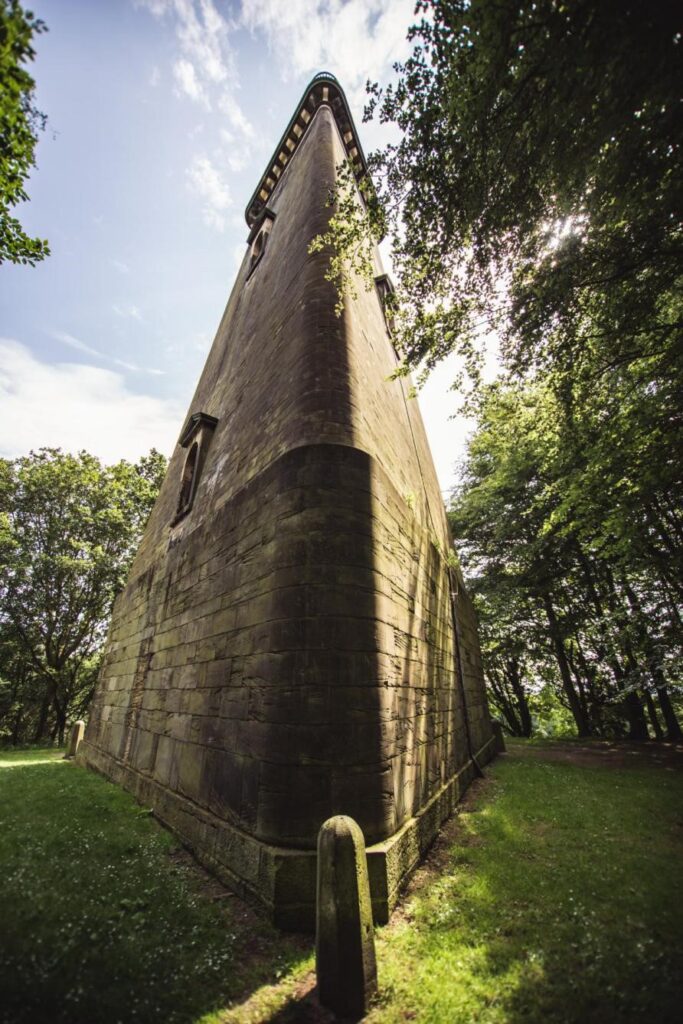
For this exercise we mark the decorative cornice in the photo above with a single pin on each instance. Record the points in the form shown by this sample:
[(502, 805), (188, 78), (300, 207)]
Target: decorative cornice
[(196, 420), (323, 90), (264, 215)]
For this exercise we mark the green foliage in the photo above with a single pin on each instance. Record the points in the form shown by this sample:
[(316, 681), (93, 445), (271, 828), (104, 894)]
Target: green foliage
[(553, 902), (351, 236), (551, 897), (551, 719), (535, 190), (538, 172), (104, 919), (68, 530), (20, 123), (575, 572)]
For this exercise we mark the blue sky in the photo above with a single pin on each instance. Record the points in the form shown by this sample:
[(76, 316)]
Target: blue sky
[(162, 116)]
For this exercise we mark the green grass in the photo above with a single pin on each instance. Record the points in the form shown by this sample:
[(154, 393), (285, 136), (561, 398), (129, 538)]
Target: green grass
[(101, 922), (559, 901), (30, 755), (555, 896)]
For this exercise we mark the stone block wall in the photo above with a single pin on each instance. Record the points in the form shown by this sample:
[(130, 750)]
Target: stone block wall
[(285, 652)]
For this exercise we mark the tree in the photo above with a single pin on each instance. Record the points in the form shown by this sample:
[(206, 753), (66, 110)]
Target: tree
[(20, 122), (539, 150), (508, 650), (69, 528), (535, 188), (568, 589)]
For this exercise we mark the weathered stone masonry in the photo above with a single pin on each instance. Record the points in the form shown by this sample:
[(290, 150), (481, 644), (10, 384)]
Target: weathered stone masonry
[(284, 649)]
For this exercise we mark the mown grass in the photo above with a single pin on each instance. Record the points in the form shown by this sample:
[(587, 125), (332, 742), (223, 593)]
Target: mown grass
[(30, 755), (557, 897), (101, 922), (554, 896)]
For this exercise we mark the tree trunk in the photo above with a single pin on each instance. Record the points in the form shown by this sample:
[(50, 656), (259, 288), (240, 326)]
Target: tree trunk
[(655, 669), (501, 699), (42, 719), (582, 724), (632, 704), (580, 682), (635, 713), (594, 700), (672, 725), (16, 727), (60, 722), (652, 712), (520, 697)]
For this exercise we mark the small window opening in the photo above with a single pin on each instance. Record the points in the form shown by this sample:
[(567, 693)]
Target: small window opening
[(195, 438), (258, 248), (259, 241), (188, 480), (387, 297)]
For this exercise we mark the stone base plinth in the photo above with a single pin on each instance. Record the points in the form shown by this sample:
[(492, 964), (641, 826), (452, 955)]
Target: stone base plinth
[(283, 880)]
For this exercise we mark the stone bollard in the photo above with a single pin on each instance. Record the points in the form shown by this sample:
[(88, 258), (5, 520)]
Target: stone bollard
[(344, 942), (498, 736), (77, 730)]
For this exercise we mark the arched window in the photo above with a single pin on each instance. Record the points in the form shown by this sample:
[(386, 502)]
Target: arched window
[(387, 298), (188, 480), (258, 239), (258, 248), (195, 438)]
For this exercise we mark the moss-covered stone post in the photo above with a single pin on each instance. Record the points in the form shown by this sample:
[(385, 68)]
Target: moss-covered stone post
[(498, 735), (345, 943), (77, 730)]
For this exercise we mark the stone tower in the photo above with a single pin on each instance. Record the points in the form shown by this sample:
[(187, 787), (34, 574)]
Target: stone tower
[(285, 648)]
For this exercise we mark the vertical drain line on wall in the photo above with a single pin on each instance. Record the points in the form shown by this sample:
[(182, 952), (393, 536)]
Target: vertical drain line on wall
[(452, 593)]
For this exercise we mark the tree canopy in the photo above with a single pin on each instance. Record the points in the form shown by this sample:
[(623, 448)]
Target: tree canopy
[(69, 528), (20, 122), (570, 565), (537, 183), (535, 192)]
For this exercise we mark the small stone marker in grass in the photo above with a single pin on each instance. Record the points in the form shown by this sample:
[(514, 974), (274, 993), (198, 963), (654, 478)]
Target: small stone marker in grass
[(77, 730), (345, 943), (498, 735)]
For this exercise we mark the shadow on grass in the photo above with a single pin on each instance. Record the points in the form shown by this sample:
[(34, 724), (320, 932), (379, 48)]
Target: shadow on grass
[(105, 921), (555, 896), (606, 753), (22, 758)]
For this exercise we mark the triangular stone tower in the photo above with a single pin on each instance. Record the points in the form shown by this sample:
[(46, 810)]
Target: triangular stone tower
[(284, 648)]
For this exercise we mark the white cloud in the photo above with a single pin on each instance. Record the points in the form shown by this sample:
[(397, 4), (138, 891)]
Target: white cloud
[(237, 162), (239, 122), (119, 265), (188, 83), (128, 312), (157, 7), (237, 157), (204, 36), (154, 77), (205, 181), (72, 406), (354, 39), (80, 346), (205, 69)]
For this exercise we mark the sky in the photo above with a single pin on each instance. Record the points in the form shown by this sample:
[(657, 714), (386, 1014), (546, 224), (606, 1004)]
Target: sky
[(162, 115)]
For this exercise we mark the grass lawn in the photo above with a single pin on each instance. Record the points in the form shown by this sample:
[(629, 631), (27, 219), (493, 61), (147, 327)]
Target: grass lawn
[(555, 895)]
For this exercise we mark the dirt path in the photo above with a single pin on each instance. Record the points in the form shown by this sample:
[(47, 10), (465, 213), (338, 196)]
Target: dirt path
[(601, 753)]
